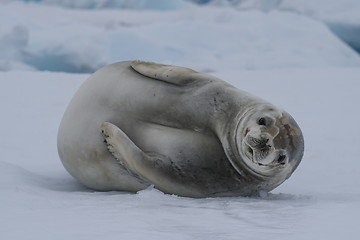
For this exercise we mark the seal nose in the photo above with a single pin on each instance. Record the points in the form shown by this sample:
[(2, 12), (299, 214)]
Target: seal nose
[(255, 142), (261, 154), (258, 147)]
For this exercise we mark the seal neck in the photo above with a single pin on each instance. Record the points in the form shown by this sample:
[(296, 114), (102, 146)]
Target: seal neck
[(236, 104)]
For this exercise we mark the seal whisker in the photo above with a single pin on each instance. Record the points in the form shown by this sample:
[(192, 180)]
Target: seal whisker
[(256, 142)]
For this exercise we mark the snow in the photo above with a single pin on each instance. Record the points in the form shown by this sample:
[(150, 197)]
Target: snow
[(342, 17), (40, 200), (304, 69), (162, 5), (86, 40)]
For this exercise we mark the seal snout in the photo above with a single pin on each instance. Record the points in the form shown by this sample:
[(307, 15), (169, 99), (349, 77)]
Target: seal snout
[(258, 147), (258, 143), (261, 150)]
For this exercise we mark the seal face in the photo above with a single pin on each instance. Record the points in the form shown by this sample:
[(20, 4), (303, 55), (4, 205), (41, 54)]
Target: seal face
[(269, 141), (184, 132)]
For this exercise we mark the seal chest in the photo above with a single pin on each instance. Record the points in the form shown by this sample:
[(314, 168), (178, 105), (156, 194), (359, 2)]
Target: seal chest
[(135, 124)]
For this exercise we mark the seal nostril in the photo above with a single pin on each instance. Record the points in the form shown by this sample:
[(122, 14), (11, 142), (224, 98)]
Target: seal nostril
[(262, 121)]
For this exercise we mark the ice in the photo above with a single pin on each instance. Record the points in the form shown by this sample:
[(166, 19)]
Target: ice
[(206, 37), (342, 17), (121, 4), (40, 200)]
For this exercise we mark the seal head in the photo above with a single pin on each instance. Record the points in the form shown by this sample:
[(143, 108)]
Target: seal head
[(270, 143)]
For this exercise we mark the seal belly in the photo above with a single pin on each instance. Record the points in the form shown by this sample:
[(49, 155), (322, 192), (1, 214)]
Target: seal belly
[(199, 165), (178, 144)]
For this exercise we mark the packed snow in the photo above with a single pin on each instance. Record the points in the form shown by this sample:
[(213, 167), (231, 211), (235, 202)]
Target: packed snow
[(40, 200), (85, 40), (342, 17), (291, 60)]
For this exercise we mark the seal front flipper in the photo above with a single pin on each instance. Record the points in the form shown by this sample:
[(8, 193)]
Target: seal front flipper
[(167, 73), (122, 148), (157, 169)]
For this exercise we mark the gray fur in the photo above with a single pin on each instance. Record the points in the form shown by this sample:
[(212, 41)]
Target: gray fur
[(184, 132)]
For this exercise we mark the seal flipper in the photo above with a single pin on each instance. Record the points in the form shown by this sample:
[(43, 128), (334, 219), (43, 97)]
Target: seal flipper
[(171, 74), (157, 169)]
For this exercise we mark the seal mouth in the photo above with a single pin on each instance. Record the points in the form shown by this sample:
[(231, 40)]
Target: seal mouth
[(261, 152)]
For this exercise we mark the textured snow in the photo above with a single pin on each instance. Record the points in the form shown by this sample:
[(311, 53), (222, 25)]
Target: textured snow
[(40, 200), (305, 69), (121, 4), (40, 37), (342, 17)]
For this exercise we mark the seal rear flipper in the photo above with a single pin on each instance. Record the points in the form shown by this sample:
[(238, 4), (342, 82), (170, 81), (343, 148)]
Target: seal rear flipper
[(159, 170), (171, 74)]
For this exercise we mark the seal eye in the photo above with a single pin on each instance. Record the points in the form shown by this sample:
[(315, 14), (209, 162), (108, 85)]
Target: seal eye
[(281, 158), (262, 121)]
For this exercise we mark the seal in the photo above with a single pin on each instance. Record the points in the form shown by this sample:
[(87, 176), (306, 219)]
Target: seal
[(136, 124)]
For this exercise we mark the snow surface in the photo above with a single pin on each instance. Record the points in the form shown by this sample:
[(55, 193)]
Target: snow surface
[(40, 200), (288, 59), (40, 37), (342, 17), (121, 4)]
